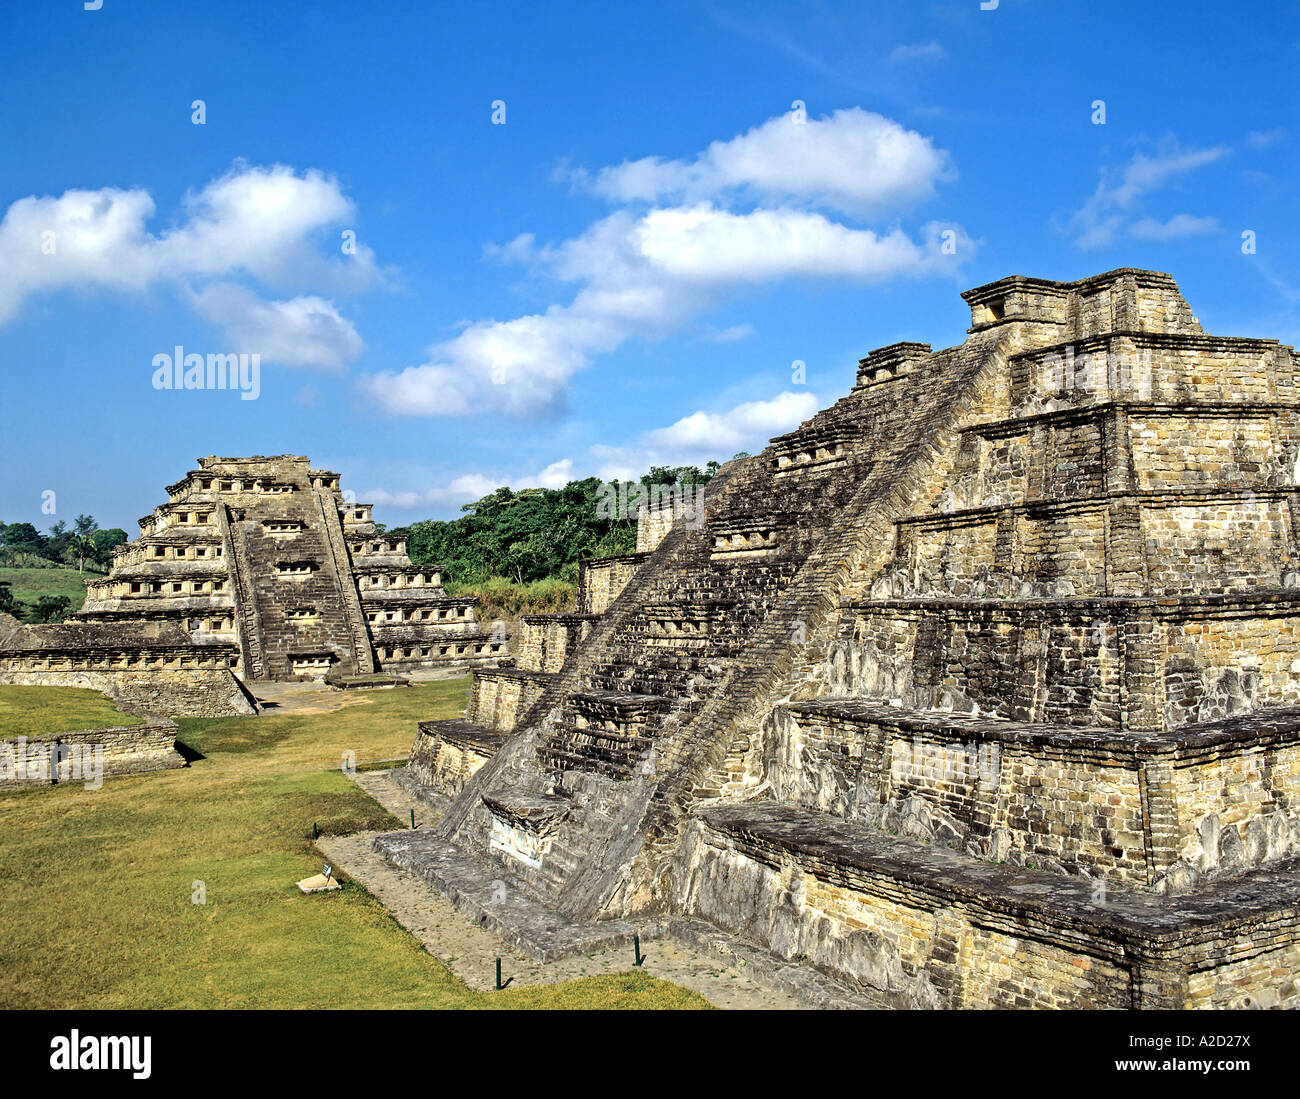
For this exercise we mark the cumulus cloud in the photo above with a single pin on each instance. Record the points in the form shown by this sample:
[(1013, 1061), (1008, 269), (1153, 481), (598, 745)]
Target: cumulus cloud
[(263, 223), (1110, 212), (642, 272), (744, 425), (696, 440), (470, 487), (643, 275), (1263, 139), (705, 436), (854, 161), (302, 331), (731, 334)]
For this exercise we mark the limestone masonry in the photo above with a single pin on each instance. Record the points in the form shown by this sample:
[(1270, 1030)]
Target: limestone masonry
[(981, 688), (254, 569)]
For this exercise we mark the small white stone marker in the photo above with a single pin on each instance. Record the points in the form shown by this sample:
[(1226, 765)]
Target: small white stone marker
[(318, 883)]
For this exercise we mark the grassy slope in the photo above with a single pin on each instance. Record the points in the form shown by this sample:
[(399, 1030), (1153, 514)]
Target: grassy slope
[(30, 711), (28, 585), (95, 887)]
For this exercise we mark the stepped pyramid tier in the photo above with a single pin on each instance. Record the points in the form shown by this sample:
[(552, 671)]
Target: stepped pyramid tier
[(255, 569), (981, 688)]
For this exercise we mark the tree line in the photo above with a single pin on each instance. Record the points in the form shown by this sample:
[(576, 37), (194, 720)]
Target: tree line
[(83, 544), (537, 533)]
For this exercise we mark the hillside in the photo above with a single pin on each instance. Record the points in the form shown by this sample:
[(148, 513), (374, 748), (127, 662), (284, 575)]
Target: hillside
[(28, 585)]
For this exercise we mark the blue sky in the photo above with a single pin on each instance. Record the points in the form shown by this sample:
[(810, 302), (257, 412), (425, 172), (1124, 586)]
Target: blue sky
[(624, 271)]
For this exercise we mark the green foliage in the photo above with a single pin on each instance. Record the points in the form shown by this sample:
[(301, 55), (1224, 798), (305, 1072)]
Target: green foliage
[(534, 534), (51, 608), (22, 536), (83, 544), (9, 604), (499, 598)]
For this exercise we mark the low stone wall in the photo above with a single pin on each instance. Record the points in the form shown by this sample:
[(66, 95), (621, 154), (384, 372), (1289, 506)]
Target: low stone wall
[(88, 755), (190, 693), (547, 639), (602, 579), (500, 696), (935, 930), (446, 754)]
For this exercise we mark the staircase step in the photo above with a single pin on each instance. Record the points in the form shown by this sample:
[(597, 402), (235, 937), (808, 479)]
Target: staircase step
[(465, 734)]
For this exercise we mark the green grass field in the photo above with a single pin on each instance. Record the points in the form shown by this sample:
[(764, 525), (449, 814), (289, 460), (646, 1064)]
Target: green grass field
[(28, 585), (96, 886), (31, 711)]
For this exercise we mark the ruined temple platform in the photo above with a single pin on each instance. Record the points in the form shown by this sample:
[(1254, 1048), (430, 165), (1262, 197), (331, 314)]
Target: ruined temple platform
[(528, 926)]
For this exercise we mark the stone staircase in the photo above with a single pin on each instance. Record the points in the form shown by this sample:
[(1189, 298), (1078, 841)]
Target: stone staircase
[(363, 659), (250, 623)]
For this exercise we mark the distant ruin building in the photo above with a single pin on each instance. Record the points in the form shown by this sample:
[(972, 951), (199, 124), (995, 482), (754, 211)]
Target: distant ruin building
[(981, 688), (255, 569)]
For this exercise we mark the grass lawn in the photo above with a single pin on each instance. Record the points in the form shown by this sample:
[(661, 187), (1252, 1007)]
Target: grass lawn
[(95, 886), (28, 585), (33, 711)]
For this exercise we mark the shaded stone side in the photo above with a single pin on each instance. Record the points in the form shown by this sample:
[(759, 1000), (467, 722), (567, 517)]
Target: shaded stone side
[(1163, 810), (602, 579), (937, 931)]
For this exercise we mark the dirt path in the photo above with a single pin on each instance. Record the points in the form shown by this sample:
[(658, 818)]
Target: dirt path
[(305, 698)]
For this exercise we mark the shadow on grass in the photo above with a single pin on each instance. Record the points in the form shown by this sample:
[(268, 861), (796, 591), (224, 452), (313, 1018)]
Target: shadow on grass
[(188, 753), (206, 735)]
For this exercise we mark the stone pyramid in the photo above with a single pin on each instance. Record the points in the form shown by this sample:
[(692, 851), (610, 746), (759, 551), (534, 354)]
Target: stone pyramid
[(978, 689)]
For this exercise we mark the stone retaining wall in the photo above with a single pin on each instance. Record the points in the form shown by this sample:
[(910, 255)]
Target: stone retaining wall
[(88, 755), (195, 693)]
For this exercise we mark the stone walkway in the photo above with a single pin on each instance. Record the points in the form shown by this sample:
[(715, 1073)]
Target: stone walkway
[(470, 951)]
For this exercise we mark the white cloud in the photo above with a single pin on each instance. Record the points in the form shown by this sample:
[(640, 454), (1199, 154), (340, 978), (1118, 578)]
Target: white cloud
[(1262, 139), (855, 161), (303, 331), (704, 436), (732, 334), (696, 440), (1108, 212), (470, 487), (1181, 225), (917, 51), (263, 223), (641, 275), (744, 425), (704, 244)]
